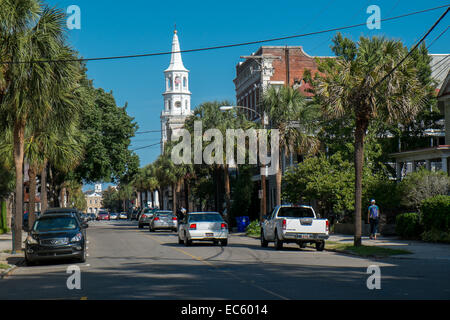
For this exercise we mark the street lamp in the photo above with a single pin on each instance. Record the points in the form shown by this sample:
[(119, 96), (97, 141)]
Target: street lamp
[(264, 172)]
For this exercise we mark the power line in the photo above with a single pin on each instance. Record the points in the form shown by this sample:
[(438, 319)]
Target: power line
[(145, 147), (149, 131), (228, 45), (440, 35), (413, 49), (440, 61)]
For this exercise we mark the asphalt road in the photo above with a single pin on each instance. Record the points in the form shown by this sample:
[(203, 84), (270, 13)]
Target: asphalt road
[(127, 263)]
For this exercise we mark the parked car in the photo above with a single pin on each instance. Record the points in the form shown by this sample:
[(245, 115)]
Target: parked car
[(294, 224), (203, 226), (113, 216), (92, 216), (56, 236), (103, 215), (163, 219), (145, 216), (123, 216)]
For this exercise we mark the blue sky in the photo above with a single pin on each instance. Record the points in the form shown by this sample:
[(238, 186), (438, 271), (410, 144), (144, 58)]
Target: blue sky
[(111, 28)]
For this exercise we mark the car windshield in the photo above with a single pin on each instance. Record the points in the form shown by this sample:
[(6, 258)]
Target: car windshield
[(296, 212), (163, 213), (55, 223), (203, 217), (148, 210)]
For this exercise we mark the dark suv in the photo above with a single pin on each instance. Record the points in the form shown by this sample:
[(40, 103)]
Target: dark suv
[(56, 236)]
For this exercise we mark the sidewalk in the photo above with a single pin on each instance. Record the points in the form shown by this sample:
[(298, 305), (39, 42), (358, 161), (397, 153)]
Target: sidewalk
[(6, 258), (419, 249)]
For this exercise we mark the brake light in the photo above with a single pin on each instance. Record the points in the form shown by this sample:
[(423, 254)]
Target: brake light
[(223, 226), (328, 225), (284, 224), (156, 219), (193, 226), (174, 218)]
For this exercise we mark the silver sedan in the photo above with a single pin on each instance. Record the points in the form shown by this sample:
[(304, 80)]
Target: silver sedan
[(203, 226), (163, 220)]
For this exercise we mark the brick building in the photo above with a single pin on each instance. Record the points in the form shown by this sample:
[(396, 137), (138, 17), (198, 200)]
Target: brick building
[(270, 66)]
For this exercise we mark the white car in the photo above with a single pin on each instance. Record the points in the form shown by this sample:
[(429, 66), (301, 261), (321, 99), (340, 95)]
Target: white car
[(123, 216), (203, 226)]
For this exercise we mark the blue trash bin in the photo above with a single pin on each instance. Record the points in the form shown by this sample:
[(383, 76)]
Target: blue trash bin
[(242, 223)]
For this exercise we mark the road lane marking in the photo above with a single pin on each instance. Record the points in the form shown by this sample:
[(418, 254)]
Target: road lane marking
[(200, 259)]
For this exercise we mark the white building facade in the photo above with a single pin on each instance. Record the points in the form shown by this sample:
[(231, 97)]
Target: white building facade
[(177, 97)]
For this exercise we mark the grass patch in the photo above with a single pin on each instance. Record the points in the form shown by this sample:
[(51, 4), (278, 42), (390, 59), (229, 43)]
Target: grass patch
[(253, 229), (364, 251), (7, 251), (4, 266)]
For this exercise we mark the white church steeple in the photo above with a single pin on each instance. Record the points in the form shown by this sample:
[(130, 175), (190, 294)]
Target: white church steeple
[(177, 97)]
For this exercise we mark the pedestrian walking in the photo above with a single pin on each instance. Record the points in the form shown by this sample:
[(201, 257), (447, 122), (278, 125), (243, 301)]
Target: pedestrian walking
[(373, 217)]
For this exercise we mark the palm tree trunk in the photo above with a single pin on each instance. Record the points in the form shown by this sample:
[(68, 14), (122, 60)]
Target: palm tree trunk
[(360, 133), (19, 141), (32, 173), (44, 194), (278, 178), (227, 190), (62, 203), (186, 195), (174, 197)]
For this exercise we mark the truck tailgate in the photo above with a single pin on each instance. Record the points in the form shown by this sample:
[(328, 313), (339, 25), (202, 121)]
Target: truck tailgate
[(306, 225)]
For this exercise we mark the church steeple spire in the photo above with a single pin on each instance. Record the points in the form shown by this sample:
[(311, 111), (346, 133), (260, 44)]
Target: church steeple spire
[(176, 63)]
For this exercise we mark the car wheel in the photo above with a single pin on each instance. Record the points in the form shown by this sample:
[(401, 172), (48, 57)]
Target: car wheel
[(83, 257), (264, 242), (320, 245), (223, 243), (141, 226), (278, 242), (180, 241), (28, 262), (187, 242)]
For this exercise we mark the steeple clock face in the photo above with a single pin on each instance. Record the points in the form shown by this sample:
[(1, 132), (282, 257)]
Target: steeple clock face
[(178, 104)]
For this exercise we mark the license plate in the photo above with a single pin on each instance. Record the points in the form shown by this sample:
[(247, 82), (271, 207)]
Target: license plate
[(209, 234), (303, 236)]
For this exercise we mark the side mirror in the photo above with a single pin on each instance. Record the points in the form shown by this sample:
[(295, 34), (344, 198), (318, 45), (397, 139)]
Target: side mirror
[(84, 225)]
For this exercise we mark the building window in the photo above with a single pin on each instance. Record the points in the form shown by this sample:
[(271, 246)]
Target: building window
[(184, 82)]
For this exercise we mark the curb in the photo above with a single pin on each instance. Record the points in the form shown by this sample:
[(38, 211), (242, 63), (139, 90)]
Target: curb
[(8, 272)]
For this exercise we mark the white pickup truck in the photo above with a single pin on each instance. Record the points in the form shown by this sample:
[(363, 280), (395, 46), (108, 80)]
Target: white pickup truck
[(294, 224)]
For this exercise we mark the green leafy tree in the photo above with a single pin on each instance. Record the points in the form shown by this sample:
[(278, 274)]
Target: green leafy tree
[(421, 185)]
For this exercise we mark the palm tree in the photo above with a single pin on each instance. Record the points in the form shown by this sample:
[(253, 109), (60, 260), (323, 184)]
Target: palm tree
[(346, 88), (212, 118), (30, 31), (60, 146), (290, 113)]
